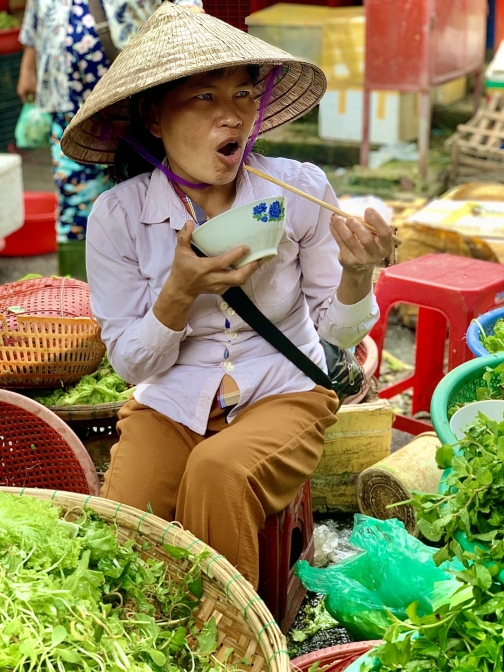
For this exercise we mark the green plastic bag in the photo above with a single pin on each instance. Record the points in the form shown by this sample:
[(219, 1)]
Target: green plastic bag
[(394, 570), (33, 127)]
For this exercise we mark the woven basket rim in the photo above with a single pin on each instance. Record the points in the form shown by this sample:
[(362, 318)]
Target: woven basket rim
[(88, 411), (238, 590), (333, 653)]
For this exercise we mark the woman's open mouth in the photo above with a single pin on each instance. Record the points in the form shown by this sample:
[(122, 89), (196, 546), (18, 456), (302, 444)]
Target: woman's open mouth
[(230, 153)]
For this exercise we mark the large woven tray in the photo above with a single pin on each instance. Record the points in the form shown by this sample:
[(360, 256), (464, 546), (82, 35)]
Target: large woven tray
[(245, 625), (86, 412)]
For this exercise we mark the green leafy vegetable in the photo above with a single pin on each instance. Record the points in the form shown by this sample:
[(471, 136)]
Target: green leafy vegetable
[(493, 342), (102, 386), (317, 619), (489, 386), (72, 598), (466, 631), (7, 21)]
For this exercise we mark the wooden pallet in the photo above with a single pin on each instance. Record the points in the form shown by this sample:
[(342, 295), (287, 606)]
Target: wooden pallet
[(478, 145)]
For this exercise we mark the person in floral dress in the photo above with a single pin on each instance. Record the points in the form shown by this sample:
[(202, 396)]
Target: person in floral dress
[(62, 61)]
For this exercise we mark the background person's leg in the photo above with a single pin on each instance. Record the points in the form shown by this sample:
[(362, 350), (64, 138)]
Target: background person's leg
[(252, 469)]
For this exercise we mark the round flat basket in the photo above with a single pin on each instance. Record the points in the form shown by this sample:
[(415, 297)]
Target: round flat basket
[(336, 658), (248, 637), (89, 415), (48, 335)]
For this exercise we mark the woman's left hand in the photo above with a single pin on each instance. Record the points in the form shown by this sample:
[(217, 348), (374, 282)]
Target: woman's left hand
[(360, 249)]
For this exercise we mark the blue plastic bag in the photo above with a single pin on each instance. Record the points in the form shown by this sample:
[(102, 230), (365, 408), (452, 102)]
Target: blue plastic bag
[(394, 570), (33, 127)]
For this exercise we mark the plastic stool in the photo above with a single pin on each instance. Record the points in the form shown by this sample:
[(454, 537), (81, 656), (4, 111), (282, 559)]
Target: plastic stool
[(447, 289), (286, 538)]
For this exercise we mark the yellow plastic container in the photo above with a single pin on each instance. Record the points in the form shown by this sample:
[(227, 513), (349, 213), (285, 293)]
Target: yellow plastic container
[(330, 37), (360, 438)]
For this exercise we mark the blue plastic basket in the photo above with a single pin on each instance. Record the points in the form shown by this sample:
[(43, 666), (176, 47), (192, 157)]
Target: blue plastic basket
[(487, 321)]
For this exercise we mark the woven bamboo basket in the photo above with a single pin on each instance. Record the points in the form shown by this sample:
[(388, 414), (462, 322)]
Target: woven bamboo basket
[(89, 412), (244, 623), (48, 335)]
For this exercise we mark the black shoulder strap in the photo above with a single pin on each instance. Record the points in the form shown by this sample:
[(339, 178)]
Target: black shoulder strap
[(251, 314)]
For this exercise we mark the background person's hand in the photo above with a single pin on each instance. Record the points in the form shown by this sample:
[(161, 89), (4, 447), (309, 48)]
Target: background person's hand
[(191, 276), (361, 249), (27, 82)]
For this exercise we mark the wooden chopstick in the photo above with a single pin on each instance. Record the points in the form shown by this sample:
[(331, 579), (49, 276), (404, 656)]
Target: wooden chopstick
[(284, 185)]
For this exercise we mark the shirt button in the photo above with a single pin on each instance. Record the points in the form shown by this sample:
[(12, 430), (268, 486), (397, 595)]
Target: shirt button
[(223, 305), (230, 311), (233, 334)]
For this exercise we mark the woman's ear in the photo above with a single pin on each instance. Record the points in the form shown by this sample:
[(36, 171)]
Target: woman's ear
[(150, 115)]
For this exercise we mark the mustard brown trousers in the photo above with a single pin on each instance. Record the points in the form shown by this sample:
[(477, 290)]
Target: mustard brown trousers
[(223, 485)]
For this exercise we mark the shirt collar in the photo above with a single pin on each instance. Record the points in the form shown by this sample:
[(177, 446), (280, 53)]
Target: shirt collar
[(163, 205)]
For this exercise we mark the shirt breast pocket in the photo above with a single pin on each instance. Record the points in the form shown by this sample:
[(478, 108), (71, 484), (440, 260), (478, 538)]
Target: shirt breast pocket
[(274, 283)]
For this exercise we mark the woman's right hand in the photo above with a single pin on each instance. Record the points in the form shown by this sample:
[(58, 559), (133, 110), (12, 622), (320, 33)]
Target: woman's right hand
[(27, 82), (191, 276)]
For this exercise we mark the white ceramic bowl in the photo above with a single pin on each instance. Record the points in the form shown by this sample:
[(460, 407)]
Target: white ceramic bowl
[(492, 408), (258, 224)]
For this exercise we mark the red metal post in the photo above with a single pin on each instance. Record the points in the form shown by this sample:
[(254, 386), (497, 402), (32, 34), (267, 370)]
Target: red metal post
[(364, 149), (499, 22)]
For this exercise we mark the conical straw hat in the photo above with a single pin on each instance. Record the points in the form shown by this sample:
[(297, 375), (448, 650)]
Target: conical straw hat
[(177, 42)]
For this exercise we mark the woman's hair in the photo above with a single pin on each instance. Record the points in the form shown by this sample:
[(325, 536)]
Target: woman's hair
[(128, 162)]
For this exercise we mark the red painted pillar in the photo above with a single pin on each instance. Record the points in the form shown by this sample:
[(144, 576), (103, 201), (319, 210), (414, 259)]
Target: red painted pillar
[(499, 22)]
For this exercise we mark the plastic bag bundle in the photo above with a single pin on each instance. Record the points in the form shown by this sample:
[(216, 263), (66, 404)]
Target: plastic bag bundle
[(394, 570), (33, 127)]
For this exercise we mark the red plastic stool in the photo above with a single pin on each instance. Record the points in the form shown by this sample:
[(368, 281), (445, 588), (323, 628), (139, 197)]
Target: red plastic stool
[(447, 289), (286, 538)]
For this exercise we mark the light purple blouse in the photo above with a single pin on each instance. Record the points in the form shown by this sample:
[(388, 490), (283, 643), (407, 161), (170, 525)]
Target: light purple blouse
[(131, 239)]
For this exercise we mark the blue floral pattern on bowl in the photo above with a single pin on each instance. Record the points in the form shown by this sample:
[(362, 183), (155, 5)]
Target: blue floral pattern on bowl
[(275, 213)]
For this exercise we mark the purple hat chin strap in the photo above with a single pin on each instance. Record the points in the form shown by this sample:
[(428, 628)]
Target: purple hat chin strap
[(273, 76), (140, 149)]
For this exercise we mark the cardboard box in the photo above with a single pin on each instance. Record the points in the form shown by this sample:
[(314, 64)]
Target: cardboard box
[(450, 92), (330, 37), (394, 116), (361, 437)]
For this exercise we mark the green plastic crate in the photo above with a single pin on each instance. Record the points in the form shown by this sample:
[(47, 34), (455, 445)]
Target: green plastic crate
[(10, 103)]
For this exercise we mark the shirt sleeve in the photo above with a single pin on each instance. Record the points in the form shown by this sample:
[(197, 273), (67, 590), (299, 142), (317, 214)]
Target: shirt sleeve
[(337, 323), (139, 346), (29, 26)]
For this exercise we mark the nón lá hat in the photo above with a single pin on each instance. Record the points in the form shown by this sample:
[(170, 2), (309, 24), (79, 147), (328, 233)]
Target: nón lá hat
[(177, 42)]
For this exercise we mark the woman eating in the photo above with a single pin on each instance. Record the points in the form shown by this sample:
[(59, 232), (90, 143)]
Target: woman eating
[(222, 429)]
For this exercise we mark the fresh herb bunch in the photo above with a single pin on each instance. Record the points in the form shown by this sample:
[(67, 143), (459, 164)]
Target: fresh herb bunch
[(73, 599), (489, 386), (466, 631), (101, 387), (464, 635), (473, 503), (493, 342), (7, 21)]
